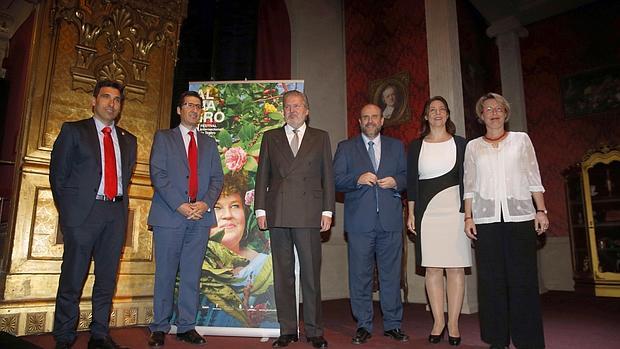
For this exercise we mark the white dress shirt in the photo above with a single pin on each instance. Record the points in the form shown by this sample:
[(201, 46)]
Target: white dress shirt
[(301, 131), (376, 146), (186, 138), (500, 181)]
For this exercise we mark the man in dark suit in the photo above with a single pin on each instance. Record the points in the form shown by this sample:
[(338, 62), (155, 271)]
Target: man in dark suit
[(90, 168), (371, 171), (294, 197), (187, 176)]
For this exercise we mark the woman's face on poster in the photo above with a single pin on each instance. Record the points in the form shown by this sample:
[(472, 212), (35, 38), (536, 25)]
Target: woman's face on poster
[(231, 218)]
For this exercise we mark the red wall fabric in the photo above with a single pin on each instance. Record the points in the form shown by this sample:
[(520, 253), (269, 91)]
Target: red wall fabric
[(585, 38), (273, 46), (16, 65), (382, 39)]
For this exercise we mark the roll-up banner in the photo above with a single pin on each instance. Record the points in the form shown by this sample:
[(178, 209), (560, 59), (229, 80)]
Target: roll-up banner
[(237, 293)]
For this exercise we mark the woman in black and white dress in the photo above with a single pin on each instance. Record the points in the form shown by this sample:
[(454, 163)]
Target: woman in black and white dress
[(435, 192)]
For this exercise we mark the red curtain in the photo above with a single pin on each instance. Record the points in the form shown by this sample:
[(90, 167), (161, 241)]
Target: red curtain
[(273, 44)]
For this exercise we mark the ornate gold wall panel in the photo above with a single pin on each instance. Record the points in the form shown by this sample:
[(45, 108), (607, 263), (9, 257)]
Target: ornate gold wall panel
[(23, 318), (75, 43)]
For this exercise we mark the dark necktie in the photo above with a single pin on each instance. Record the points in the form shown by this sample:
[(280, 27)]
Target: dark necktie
[(295, 142), (371, 154), (110, 184), (192, 159), (373, 159)]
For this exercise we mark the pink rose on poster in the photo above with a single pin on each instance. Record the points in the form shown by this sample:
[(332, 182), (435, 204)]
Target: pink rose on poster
[(249, 197), (235, 157)]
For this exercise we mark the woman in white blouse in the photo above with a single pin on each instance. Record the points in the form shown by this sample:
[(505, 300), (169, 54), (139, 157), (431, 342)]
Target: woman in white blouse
[(504, 211)]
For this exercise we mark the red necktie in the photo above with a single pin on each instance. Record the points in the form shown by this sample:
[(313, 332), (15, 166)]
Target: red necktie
[(110, 181), (192, 159)]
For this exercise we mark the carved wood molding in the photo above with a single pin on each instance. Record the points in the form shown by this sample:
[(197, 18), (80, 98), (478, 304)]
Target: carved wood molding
[(116, 37)]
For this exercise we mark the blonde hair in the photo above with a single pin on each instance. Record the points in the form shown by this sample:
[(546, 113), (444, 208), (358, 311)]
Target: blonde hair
[(498, 98)]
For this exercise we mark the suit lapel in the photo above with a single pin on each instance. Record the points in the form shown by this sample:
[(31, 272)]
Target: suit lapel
[(122, 144), (201, 139), (93, 142), (363, 153), (179, 145), (283, 146), (384, 152), (307, 144)]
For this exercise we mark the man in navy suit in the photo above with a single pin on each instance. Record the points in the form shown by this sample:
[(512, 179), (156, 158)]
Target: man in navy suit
[(371, 171), (90, 169), (187, 176)]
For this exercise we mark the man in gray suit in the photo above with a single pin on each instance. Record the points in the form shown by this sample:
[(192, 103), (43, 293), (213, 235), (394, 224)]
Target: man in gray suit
[(90, 168), (187, 176), (294, 197)]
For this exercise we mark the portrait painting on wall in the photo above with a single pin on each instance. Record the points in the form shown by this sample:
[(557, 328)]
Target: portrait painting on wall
[(593, 92), (392, 95)]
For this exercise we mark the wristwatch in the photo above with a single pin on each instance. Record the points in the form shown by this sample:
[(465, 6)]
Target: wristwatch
[(543, 211)]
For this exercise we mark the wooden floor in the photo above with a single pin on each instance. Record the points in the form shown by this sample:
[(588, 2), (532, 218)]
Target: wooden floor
[(570, 320)]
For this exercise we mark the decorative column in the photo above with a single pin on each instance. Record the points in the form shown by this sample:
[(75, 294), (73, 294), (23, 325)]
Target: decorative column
[(507, 33), (444, 75), (444, 57)]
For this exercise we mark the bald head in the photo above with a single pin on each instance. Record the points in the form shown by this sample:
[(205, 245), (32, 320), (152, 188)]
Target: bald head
[(370, 109), (371, 120)]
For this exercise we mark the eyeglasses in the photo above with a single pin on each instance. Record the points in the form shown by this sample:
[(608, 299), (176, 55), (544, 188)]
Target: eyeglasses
[(497, 110), (187, 105), (294, 106)]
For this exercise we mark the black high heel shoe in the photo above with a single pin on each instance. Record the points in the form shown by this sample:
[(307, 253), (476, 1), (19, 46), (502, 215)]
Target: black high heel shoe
[(436, 338), (454, 340)]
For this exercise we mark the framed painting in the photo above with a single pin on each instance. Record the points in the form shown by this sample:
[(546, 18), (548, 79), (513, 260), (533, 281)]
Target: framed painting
[(590, 93), (392, 96)]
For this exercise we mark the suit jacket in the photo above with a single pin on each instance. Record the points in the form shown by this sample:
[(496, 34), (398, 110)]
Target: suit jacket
[(294, 191), (75, 169), (360, 204), (170, 172)]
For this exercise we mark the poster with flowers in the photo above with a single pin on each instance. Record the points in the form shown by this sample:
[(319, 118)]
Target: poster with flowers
[(237, 296)]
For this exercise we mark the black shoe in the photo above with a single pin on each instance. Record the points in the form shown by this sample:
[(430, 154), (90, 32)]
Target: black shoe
[(103, 343), (454, 340), (317, 342), (361, 336), (156, 339), (396, 334), (436, 338), (284, 340), (63, 345), (191, 337)]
